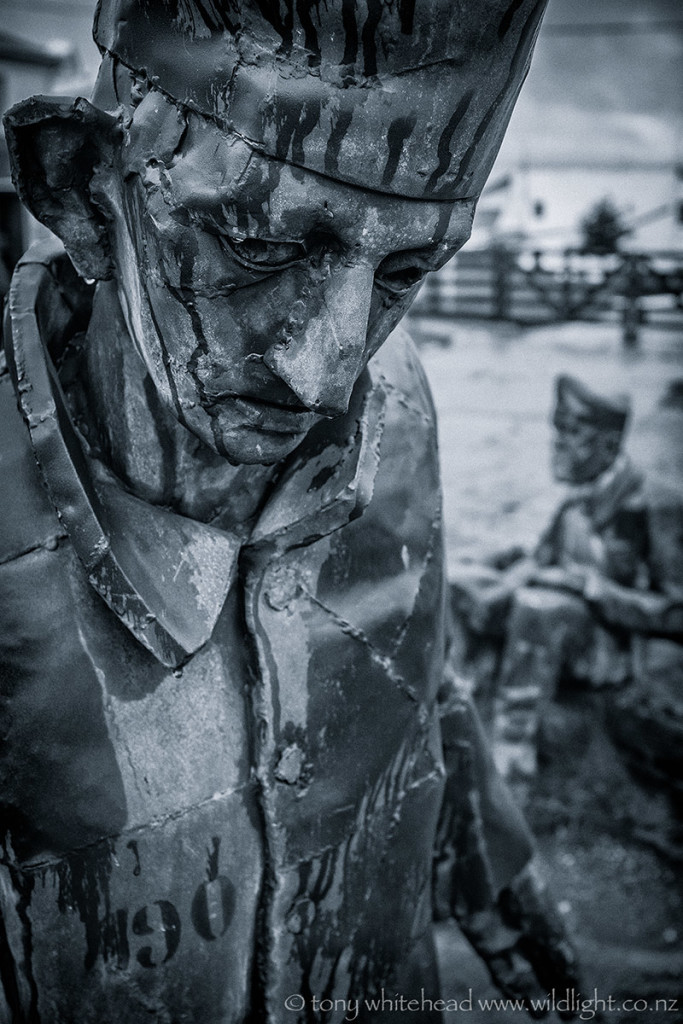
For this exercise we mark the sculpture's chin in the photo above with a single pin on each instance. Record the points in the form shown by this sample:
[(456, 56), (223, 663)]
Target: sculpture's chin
[(251, 447)]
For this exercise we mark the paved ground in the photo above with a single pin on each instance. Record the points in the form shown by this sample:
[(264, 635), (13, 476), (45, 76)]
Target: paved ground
[(623, 897), (493, 390)]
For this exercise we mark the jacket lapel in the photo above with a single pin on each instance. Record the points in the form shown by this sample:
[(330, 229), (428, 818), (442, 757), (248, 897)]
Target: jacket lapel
[(166, 576)]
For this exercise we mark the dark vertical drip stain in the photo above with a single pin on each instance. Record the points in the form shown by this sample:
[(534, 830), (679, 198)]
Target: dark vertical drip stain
[(185, 296), (328, 991), (442, 223), (165, 440), (401, 128), (252, 695), (336, 137), (293, 124), (350, 31), (308, 950), (304, 869), (216, 17), (406, 13), (133, 847), (444, 147), (242, 219), (283, 25), (190, 14), (202, 349), (8, 978), (506, 20), (212, 859), (187, 256), (286, 121), (122, 939), (114, 938), (167, 362), (310, 118), (303, 9), (519, 54), (137, 215), (274, 174), (325, 878), (83, 884), (369, 38), (23, 885)]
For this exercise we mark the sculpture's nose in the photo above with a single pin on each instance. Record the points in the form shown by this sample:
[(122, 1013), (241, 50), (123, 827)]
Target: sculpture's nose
[(322, 351)]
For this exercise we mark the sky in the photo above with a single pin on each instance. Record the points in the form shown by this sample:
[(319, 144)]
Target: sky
[(598, 88), (606, 83)]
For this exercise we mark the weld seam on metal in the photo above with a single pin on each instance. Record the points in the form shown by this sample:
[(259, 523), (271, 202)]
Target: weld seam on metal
[(43, 545), (379, 659), (153, 823)]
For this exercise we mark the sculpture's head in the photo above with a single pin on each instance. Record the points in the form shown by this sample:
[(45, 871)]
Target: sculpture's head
[(268, 183), (589, 430)]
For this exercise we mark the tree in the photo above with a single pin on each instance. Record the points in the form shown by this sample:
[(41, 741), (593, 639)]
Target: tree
[(602, 229)]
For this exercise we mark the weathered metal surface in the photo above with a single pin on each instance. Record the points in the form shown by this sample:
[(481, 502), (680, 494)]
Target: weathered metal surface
[(224, 655), (431, 82), (130, 753)]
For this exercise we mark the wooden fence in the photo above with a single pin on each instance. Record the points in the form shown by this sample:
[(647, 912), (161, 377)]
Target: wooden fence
[(542, 287)]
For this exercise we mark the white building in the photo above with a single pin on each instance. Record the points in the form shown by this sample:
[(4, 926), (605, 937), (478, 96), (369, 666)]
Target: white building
[(600, 116)]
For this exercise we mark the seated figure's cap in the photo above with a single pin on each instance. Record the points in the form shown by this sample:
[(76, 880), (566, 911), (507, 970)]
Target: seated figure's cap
[(576, 401), (410, 97)]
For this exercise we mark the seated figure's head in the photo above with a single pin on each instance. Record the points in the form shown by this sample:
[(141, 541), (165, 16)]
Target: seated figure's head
[(266, 184), (589, 430)]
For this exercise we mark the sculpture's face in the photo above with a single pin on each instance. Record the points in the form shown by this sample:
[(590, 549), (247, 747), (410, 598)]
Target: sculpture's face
[(582, 449), (255, 291)]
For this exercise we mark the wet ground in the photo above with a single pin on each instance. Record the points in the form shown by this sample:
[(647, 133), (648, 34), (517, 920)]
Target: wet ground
[(609, 837)]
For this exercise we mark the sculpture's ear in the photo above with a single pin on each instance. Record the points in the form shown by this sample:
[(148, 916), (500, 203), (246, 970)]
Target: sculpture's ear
[(57, 147)]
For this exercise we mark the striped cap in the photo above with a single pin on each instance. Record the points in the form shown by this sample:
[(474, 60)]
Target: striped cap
[(576, 401), (410, 97)]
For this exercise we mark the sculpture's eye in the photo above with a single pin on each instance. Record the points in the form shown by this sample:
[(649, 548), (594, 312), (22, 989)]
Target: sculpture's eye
[(264, 253), (400, 272)]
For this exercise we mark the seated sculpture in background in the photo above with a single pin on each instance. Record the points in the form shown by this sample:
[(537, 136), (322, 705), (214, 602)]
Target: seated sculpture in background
[(230, 747), (607, 570)]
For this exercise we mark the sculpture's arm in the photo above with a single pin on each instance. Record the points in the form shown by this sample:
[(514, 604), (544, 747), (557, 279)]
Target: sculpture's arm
[(639, 611), (483, 594), (485, 873), (500, 559)]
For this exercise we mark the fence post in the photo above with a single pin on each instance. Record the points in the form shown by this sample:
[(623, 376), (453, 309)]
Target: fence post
[(630, 313), (502, 264)]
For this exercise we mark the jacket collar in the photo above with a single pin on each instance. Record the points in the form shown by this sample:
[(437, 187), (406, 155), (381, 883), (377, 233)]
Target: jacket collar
[(166, 576), (611, 490), (602, 498)]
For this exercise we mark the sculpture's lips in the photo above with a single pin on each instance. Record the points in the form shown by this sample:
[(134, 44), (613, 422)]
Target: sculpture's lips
[(265, 416)]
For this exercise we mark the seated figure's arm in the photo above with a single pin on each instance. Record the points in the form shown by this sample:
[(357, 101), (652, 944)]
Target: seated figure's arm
[(639, 611), (654, 604), (482, 593), (506, 557), (485, 873)]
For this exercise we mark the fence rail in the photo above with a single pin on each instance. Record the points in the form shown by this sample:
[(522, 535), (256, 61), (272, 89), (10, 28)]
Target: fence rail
[(534, 287)]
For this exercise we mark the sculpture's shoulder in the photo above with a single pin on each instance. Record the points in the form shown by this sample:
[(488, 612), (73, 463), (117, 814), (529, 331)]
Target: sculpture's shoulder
[(662, 504), (409, 442), (27, 517), (404, 514), (398, 369), (660, 496)]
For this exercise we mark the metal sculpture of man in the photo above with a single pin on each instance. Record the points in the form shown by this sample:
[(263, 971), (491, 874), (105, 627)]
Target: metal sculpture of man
[(222, 582), (607, 568)]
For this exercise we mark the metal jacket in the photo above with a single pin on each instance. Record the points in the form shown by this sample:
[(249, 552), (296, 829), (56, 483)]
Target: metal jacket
[(629, 530), (222, 767)]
